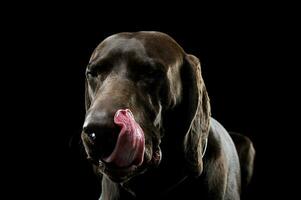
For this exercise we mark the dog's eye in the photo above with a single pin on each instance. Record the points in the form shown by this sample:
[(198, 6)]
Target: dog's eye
[(91, 74), (99, 70), (152, 75)]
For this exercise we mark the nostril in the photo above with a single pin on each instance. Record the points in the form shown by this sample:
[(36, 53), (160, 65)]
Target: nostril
[(103, 135), (89, 128), (92, 136), (90, 131)]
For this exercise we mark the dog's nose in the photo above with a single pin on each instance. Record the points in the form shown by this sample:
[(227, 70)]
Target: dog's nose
[(97, 120), (100, 128)]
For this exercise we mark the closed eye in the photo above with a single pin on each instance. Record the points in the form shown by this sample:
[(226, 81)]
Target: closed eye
[(148, 70), (97, 69), (91, 74), (151, 75), (153, 72)]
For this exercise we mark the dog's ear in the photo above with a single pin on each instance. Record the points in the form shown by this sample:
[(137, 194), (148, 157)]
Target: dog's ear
[(198, 105), (190, 116)]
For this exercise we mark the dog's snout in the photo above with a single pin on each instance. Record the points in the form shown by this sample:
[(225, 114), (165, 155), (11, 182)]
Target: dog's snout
[(100, 128), (98, 121)]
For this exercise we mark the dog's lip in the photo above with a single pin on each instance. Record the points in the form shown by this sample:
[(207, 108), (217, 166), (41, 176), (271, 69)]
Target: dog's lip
[(154, 159), (119, 174), (116, 173), (111, 168), (157, 156)]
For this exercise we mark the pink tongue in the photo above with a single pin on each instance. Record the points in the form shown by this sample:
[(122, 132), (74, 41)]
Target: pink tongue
[(129, 149)]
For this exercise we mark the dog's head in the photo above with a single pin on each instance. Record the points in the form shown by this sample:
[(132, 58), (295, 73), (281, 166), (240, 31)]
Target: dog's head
[(139, 85)]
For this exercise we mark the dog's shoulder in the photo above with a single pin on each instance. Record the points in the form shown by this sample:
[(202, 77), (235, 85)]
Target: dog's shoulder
[(221, 163)]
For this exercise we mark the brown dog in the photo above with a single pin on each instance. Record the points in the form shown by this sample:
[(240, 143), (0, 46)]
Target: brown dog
[(148, 130)]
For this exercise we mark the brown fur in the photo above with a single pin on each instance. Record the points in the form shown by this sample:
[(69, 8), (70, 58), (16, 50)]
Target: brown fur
[(149, 73)]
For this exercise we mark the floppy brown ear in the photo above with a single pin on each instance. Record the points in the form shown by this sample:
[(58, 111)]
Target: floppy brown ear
[(189, 119), (199, 107)]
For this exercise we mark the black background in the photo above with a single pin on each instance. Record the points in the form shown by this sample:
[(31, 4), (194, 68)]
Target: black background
[(244, 56)]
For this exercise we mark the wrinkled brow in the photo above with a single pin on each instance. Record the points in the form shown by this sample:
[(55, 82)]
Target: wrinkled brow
[(98, 63)]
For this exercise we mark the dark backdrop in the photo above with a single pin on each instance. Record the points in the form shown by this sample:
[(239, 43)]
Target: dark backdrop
[(242, 55)]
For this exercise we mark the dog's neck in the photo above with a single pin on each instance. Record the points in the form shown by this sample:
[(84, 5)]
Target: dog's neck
[(164, 179), (143, 186)]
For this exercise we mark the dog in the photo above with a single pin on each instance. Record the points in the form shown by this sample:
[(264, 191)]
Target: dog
[(148, 130)]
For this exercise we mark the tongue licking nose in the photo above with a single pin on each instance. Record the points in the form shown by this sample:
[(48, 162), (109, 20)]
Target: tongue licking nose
[(129, 149)]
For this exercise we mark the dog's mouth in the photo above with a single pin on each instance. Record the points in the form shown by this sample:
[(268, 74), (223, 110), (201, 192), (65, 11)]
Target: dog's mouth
[(121, 174), (128, 152), (129, 156)]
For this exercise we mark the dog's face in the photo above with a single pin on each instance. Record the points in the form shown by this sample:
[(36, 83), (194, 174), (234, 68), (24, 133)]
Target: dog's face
[(132, 79), (127, 88)]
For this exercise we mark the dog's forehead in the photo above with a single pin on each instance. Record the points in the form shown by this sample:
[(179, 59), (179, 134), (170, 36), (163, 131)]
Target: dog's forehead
[(116, 46), (140, 44)]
